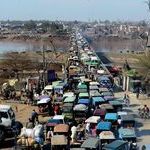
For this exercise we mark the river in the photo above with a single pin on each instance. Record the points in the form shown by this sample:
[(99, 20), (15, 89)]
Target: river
[(9, 46)]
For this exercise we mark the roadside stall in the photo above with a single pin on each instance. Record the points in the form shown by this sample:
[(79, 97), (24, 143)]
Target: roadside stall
[(91, 143)]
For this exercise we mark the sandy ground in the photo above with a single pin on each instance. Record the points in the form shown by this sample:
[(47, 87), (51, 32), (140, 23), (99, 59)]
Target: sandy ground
[(23, 112)]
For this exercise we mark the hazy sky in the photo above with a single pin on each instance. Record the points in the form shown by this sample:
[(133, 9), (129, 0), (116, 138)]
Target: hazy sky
[(126, 10)]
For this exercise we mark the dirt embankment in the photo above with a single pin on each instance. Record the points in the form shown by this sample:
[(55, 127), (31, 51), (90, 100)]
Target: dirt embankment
[(58, 41)]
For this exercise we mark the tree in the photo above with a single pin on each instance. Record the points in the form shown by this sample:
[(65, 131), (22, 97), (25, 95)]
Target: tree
[(30, 25)]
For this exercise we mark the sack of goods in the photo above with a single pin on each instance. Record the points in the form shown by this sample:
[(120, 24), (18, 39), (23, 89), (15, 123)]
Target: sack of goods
[(26, 141), (38, 131)]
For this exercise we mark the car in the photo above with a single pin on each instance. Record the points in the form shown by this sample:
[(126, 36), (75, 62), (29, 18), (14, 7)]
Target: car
[(8, 123)]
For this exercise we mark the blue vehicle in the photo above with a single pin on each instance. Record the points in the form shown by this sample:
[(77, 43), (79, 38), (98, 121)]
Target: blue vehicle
[(98, 100), (113, 118), (103, 126), (84, 101)]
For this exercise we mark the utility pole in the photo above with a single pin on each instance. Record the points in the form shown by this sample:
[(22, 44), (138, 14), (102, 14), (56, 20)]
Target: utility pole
[(44, 65)]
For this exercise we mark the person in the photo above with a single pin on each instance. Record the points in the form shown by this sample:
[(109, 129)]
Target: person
[(34, 117), (146, 111), (87, 128), (137, 92), (73, 133), (126, 99)]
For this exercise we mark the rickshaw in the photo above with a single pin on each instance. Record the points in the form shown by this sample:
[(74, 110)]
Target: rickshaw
[(94, 87), (97, 101), (59, 89), (80, 111), (84, 101), (113, 118), (121, 113), (91, 143), (103, 126), (117, 105), (70, 99), (107, 95), (82, 87), (61, 129), (44, 107), (101, 90), (106, 137), (67, 110), (59, 142), (60, 117), (127, 134), (93, 121), (117, 145), (68, 94), (127, 121), (83, 95), (100, 112), (94, 83), (94, 93), (107, 107), (51, 123)]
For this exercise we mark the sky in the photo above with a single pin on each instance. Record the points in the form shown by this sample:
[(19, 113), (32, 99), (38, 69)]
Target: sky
[(69, 10)]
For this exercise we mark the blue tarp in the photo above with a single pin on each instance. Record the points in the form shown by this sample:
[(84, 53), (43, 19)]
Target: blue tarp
[(111, 116), (97, 99), (83, 101), (104, 126)]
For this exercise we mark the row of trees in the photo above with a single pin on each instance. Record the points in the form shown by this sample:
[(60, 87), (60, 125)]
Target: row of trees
[(46, 26)]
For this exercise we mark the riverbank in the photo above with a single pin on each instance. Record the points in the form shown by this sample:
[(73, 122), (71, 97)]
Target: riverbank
[(33, 43)]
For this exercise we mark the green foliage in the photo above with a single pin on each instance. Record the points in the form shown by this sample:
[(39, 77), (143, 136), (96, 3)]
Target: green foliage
[(144, 60), (30, 25)]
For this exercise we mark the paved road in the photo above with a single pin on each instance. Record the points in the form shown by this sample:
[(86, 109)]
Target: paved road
[(143, 126)]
